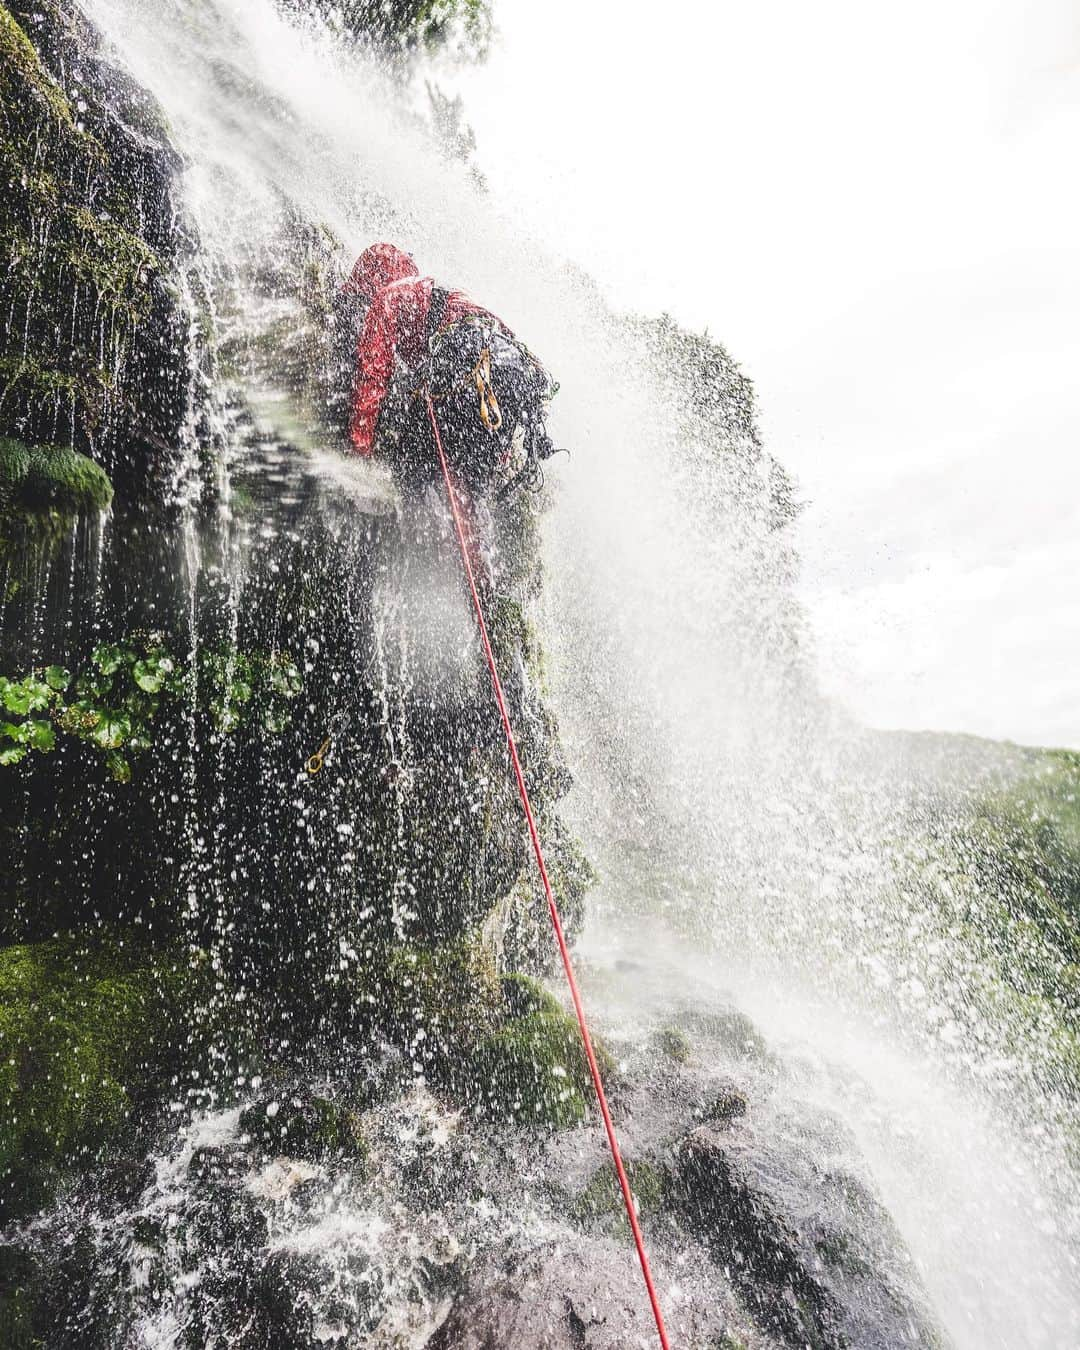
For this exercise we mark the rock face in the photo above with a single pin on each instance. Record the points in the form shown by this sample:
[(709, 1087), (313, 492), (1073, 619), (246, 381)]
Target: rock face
[(413, 831), (792, 1245), (278, 1068), (93, 350), (334, 1209)]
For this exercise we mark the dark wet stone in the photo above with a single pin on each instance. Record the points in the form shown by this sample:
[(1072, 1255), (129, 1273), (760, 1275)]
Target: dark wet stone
[(565, 1298), (812, 1272), (300, 1123)]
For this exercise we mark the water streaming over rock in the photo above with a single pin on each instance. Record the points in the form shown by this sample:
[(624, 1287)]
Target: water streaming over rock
[(787, 926)]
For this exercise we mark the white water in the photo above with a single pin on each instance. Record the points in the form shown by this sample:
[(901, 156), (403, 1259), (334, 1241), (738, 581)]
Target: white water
[(714, 787)]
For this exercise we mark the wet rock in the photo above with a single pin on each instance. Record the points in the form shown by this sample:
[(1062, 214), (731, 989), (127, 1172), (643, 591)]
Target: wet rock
[(731, 1029), (86, 1032), (674, 1044), (287, 1308), (811, 1271), (565, 1298), (300, 1123), (602, 1199), (724, 1105)]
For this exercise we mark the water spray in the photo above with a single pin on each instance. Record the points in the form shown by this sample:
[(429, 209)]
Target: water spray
[(534, 835)]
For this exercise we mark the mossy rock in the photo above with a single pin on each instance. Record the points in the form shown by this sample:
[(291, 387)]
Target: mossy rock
[(20, 1295), (85, 1034), (838, 1250), (50, 478), (725, 1106), (523, 995), (674, 1044), (533, 1071), (602, 1200), (95, 344), (733, 1029), (302, 1124), (430, 1000)]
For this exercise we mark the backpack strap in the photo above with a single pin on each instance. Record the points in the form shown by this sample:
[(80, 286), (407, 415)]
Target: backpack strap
[(440, 297)]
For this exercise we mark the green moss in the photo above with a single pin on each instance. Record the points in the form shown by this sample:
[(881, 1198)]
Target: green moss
[(732, 1028), (305, 1126), (726, 1106), (602, 1200), (20, 1290), (448, 991), (115, 262), (524, 995), (837, 1251), (533, 1071), (92, 341), (530, 1073), (23, 73), (43, 478), (674, 1044), (84, 1033)]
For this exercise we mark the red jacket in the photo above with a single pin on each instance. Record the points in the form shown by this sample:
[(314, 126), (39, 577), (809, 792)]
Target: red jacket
[(395, 330)]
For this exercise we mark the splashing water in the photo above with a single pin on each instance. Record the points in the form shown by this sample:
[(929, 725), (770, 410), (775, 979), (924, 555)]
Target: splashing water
[(762, 844)]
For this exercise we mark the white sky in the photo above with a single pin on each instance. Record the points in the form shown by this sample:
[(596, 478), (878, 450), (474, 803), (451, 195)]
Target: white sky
[(877, 210)]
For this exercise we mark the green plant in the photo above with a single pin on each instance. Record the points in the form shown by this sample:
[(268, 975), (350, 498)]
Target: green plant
[(112, 705)]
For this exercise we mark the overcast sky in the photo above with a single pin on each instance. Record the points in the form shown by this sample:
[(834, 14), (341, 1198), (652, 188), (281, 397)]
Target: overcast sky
[(876, 209)]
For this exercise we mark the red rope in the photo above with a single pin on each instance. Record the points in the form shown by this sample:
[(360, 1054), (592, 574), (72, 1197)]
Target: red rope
[(560, 937)]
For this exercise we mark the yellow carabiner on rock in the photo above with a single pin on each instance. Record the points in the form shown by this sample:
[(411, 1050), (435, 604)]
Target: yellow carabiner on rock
[(315, 763)]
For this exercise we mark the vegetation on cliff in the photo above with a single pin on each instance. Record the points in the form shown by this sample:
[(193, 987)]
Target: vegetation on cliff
[(92, 351), (90, 1031), (50, 479), (404, 25)]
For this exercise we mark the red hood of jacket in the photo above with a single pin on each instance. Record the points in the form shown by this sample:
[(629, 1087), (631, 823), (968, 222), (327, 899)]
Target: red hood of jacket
[(377, 267)]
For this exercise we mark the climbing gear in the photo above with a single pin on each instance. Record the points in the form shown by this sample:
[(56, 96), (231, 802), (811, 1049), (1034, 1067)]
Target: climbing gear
[(530, 477), (560, 937), (315, 763), (487, 384), (490, 415)]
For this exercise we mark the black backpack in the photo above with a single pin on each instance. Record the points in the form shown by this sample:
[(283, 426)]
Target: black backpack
[(484, 384)]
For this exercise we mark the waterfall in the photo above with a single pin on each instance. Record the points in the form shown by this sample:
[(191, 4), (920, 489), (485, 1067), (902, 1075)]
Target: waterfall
[(753, 843)]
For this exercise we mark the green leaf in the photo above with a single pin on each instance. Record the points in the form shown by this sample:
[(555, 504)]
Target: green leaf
[(40, 695), (16, 697), (11, 754), (239, 692), (112, 730), (37, 735), (285, 679), (148, 676), (110, 656), (56, 677), (275, 720), (118, 767)]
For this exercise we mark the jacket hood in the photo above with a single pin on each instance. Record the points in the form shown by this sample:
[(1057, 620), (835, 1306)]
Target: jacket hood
[(378, 266)]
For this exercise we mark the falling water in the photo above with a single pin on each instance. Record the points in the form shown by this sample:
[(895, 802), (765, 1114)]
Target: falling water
[(751, 840)]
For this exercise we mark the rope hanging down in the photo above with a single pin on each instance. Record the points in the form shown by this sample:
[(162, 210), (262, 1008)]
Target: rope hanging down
[(560, 937)]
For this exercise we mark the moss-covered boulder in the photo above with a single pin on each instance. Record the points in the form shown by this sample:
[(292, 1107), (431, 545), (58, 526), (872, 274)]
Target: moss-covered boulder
[(50, 479), (501, 1047), (299, 1123), (87, 1034), (601, 1202), (532, 1069)]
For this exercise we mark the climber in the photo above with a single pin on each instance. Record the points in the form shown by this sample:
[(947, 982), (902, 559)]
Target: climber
[(485, 384)]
